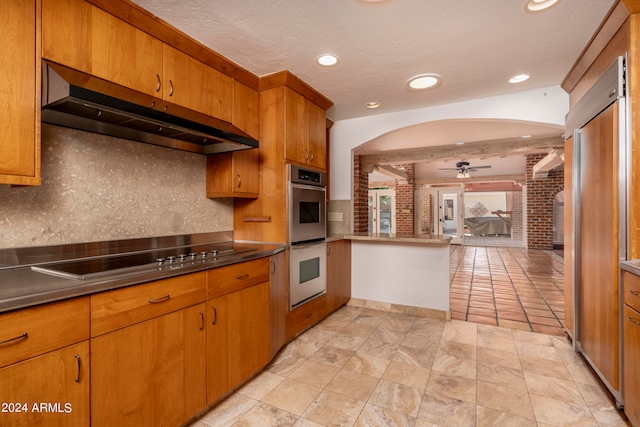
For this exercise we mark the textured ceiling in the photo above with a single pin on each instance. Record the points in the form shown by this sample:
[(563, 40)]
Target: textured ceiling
[(476, 46)]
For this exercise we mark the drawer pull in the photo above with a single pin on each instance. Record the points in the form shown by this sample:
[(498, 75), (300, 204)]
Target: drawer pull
[(215, 315), (273, 270), (170, 87), (79, 366), (634, 293), (25, 335), (244, 276), (632, 320), (161, 299), (201, 320)]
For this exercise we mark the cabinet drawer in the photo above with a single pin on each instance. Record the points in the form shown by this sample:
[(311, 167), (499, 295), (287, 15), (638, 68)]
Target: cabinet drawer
[(32, 331), (632, 290), (119, 308), (223, 280)]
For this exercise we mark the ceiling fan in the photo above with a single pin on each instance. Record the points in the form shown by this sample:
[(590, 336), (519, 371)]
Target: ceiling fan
[(464, 168)]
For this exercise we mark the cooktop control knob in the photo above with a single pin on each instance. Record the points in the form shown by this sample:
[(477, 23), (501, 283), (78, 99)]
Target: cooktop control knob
[(214, 252), (171, 258), (192, 255), (182, 257), (203, 254), (160, 261)]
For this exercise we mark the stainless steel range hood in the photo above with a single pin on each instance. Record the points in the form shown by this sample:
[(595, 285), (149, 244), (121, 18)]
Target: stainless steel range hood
[(84, 102)]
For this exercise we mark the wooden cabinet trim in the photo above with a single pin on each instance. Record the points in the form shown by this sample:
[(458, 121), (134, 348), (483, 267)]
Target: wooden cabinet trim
[(232, 278), (48, 327), (123, 307)]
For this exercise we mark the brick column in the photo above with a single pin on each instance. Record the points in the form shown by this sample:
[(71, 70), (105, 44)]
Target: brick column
[(360, 198), (540, 196), (405, 200)]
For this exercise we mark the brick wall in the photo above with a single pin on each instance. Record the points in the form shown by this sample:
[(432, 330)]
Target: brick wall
[(540, 196), (360, 198), (514, 204), (425, 214), (405, 200)]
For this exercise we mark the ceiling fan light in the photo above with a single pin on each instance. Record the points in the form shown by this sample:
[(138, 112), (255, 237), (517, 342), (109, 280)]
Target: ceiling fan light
[(466, 175), (460, 175)]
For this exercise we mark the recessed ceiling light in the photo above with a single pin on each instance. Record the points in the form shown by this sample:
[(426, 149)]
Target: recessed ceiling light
[(526, 136), (423, 81), (519, 78), (460, 143), (372, 105), (327, 60), (538, 5)]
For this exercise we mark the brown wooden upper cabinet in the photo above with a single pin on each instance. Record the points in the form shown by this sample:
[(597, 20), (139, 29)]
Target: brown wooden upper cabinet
[(83, 37), (194, 85), (20, 91), (305, 131), (234, 174)]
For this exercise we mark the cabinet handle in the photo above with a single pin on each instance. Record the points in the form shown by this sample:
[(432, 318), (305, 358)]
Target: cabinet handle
[(239, 181), (170, 87), (273, 269), (201, 320), (153, 104), (244, 276), (311, 155), (215, 315), (161, 299), (79, 366), (634, 293), (159, 83), (25, 335), (166, 107), (306, 154), (328, 250), (632, 320)]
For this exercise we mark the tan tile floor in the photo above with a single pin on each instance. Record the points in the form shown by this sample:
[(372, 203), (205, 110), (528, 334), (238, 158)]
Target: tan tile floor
[(363, 367)]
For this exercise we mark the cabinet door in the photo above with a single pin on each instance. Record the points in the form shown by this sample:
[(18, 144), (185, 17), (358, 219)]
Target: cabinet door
[(86, 38), (48, 390), (235, 174), (278, 302), (338, 273), (631, 365), (295, 127), (192, 84), (19, 89), (150, 373), (317, 127), (238, 338)]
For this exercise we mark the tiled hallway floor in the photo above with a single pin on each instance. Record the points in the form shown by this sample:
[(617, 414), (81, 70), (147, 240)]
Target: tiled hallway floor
[(363, 367), (513, 287)]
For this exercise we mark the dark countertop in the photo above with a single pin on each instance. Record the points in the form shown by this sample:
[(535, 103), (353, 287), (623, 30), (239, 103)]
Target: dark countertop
[(632, 266), (22, 286), (418, 239)]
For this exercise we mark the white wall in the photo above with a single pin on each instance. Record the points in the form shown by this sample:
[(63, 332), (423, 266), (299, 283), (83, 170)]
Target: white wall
[(493, 201), (545, 105)]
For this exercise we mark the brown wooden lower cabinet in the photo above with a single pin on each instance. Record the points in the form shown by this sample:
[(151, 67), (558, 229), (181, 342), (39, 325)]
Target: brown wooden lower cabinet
[(237, 338), (338, 273), (632, 365), (47, 390), (151, 373)]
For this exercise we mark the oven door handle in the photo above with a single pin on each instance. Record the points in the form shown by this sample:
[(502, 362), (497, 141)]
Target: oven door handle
[(308, 187), (308, 245)]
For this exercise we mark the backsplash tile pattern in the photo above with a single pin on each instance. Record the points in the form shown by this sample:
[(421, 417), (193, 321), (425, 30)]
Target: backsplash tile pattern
[(96, 188), (340, 223)]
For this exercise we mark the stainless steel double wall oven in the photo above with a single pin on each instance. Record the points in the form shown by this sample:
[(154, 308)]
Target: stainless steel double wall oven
[(307, 235)]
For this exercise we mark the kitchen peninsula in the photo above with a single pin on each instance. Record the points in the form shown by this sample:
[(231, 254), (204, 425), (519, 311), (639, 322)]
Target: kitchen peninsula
[(406, 270)]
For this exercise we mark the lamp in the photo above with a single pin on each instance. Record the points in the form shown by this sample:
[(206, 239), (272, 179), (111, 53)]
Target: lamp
[(464, 174)]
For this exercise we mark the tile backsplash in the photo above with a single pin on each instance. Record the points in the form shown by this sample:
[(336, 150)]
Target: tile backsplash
[(96, 187), (339, 217)]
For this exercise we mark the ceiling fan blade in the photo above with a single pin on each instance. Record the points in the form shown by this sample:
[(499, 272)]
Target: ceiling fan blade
[(481, 167), (447, 169)]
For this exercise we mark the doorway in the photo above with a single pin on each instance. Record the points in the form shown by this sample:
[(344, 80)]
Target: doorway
[(440, 211), (382, 211)]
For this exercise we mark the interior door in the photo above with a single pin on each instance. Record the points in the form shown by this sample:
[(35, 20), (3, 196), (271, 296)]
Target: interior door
[(382, 211), (450, 211), (597, 225)]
